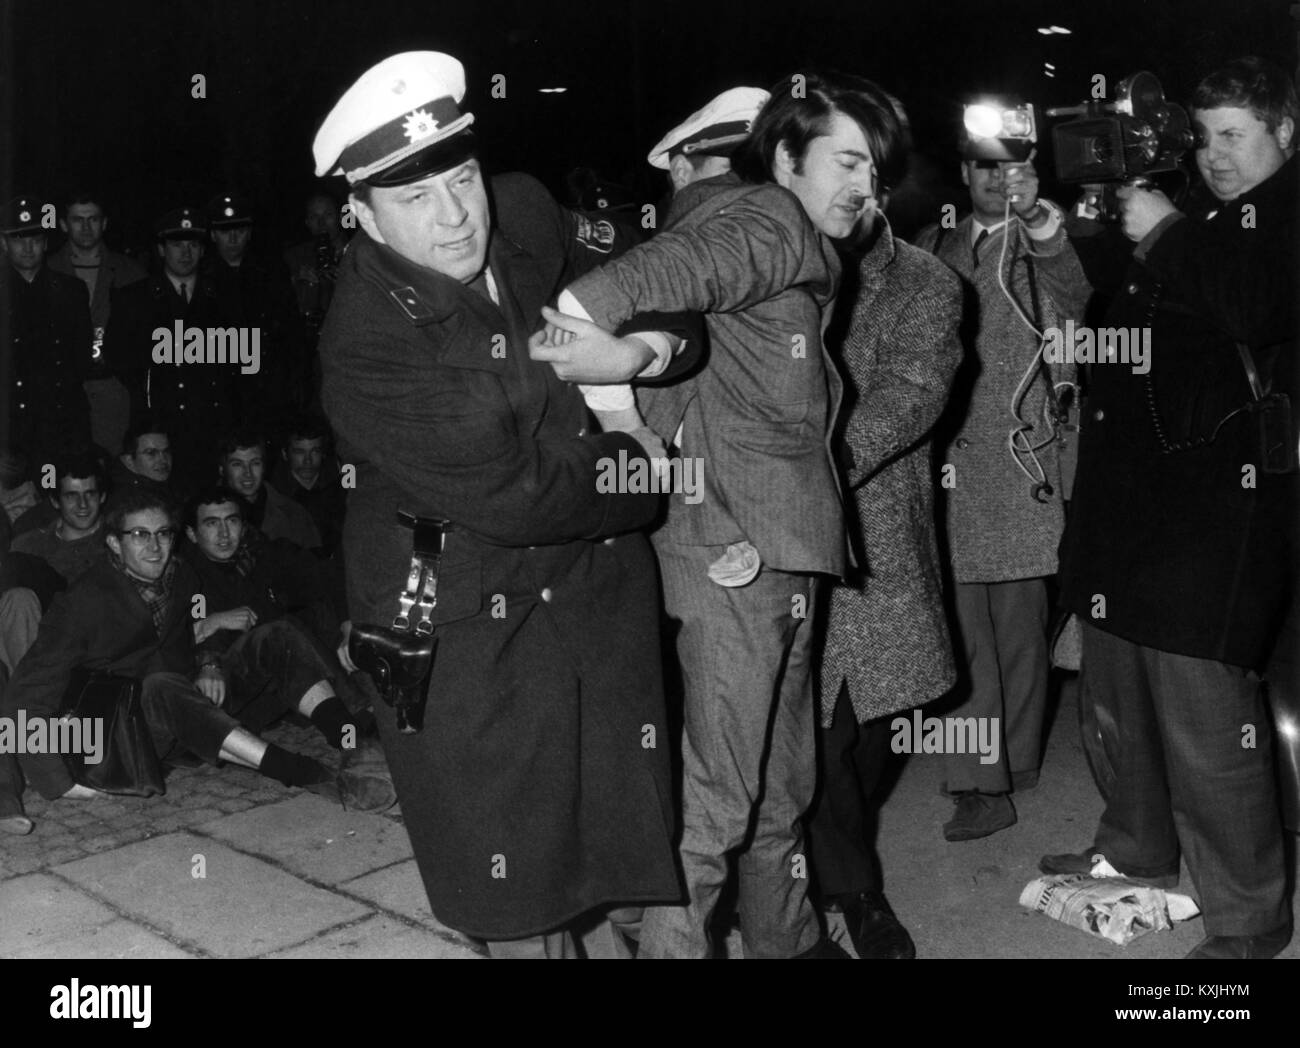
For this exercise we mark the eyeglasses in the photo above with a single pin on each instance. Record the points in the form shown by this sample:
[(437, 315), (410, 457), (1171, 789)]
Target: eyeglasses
[(141, 536)]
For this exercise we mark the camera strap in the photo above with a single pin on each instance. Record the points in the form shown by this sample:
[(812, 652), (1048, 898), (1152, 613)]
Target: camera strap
[(421, 590), (1257, 389)]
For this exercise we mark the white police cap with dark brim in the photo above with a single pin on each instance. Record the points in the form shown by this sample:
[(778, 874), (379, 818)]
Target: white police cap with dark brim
[(715, 130), (398, 108)]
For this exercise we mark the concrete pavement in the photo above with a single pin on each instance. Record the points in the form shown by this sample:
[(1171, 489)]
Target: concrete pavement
[(228, 864)]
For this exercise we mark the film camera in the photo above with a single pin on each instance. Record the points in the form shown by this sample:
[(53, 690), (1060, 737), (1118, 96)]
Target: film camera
[(1131, 140)]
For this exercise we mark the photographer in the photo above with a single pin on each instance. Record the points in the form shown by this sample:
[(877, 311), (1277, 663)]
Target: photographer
[(1177, 553)]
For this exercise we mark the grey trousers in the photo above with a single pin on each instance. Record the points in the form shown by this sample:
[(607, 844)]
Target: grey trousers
[(1182, 751), (1004, 635), (749, 755)]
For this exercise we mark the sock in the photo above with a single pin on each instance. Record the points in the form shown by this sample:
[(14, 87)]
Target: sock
[(331, 718), (292, 769)]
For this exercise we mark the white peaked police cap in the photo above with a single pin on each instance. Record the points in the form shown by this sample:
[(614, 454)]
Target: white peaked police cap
[(405, 107), (716, 130)]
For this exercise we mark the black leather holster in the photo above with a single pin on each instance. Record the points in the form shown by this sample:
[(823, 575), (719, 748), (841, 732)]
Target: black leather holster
[(398, 658)]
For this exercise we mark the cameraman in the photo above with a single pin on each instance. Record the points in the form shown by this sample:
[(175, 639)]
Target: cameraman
[(1177, 553)]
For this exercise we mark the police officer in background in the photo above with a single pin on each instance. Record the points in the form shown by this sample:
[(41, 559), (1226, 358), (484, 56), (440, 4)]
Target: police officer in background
[(538, 791), (255, 290), (45, 343), (195, 399)]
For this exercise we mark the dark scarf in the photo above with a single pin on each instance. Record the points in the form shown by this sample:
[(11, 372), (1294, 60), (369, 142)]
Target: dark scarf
[(156, 595)]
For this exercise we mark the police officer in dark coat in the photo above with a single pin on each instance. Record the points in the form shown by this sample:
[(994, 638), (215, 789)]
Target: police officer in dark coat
[(196, 398), (538, 789), (45, 342), (255, 291)]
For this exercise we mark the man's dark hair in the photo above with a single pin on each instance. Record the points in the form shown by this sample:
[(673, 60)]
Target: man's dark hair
[(361, 190), (142, 427), (307, 425), (83, 465), (796, 121), (136, 500), (213, 495), (85, 195), (1250, 83), (13, 467), (241, 437)]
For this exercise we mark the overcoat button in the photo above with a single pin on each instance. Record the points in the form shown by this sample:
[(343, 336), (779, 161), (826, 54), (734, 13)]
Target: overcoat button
[(1098, 415), (547, 594), (962, 443), (1132, 289)]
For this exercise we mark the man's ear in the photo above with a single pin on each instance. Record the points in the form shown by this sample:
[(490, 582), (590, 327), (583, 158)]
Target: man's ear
[(366, 216), (965, 174), (679, 172), (114, 543), (1285, 133), (161, 251), (189, 534), (783, 165), (63, 225)]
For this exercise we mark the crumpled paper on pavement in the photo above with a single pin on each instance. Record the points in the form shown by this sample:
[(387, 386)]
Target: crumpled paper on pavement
[(1105, 904)]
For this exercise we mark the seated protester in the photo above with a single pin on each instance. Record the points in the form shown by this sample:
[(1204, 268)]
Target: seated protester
[(18, 496), (27, 587), (242, 466), (74, 540), (146, 460), (309, 474), (247, 595), (241, 569), (131, 616)]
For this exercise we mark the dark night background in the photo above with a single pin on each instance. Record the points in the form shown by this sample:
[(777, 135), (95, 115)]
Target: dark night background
[(99, 93)]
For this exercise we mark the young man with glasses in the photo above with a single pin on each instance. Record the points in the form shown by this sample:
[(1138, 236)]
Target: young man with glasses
[(131, 617)]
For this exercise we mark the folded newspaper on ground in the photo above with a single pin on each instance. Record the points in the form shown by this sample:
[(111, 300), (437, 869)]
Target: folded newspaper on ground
[(1105, 904)]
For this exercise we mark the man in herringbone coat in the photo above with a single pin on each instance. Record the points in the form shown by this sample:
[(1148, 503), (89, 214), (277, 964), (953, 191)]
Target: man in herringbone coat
[(887, 646)]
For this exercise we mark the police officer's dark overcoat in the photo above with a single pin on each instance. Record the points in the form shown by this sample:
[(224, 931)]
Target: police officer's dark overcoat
[(538, 788)]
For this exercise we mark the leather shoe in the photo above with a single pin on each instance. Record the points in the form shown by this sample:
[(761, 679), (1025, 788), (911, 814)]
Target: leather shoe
[(826, 949), (19, 825), (875, 931), (364, 782), (1241, 947), (1083, 862), (978, 815)]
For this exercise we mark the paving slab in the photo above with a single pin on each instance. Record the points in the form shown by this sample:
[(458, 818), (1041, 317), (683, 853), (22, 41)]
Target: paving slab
[(41, 916), (399, 889), (315, 838), (241, 907), (380, 937)]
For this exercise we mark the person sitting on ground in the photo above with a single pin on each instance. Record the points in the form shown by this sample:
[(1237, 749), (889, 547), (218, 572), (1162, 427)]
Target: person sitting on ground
[(146, 459), (242, 466), (309, 474), (131, 616), (74, 541)]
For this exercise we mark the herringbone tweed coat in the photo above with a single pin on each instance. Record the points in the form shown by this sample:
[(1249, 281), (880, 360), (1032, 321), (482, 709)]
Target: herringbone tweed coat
[(886, 633)]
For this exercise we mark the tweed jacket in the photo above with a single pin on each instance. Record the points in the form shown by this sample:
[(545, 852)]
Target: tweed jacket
[(996, 530), (758, 414), (886, 632), (546, 682)]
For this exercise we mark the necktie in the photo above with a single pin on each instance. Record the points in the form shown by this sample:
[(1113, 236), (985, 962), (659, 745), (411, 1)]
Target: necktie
[(975, 249), (185, 293)]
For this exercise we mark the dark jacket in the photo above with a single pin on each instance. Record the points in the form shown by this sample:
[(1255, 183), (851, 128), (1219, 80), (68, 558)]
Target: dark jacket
[(198, 399), (99, 623), (279, 578), (1174, 541), (45, 339), (546, 684)]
